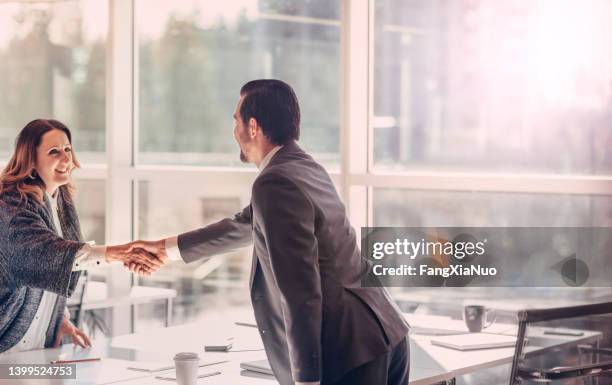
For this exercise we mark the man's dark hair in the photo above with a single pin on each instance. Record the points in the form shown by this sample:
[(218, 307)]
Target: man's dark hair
[(275, 107)]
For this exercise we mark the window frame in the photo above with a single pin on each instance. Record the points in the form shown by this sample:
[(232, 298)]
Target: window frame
[(356, 177)]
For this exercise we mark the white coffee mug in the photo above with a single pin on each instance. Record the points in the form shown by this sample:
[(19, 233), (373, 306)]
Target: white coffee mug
[(186, 365)]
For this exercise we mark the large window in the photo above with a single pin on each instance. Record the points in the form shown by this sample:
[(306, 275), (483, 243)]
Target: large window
[(52, 65), (500, 86), (470, 100), (426, 112), (169, 209), (195, 55), (192, 57)]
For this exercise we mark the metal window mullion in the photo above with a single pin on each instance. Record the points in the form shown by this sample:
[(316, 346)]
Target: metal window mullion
[(514, 183), (119, 126), (355, 106)]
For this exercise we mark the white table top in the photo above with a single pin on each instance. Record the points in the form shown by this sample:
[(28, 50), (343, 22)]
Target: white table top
[(450, 298), (429, 363), (97, 297)]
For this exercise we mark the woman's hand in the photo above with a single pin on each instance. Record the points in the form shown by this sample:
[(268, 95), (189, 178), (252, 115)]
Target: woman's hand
[(77, 336), (133, 255), (156, 248)]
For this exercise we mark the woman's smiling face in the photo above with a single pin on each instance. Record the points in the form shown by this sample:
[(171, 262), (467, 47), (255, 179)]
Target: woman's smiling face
[(54, 160)]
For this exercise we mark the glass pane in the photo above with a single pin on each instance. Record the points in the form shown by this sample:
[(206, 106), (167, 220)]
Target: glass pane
[(91, 208), (493, 85), (396, 207), (169, 209), (195, 55), (52, 65)]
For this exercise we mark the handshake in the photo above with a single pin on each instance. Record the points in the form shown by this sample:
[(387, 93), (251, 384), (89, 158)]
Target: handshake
[(140, 257)]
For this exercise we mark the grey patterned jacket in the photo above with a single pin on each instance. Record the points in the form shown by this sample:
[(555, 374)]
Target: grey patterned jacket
[(33, 258)]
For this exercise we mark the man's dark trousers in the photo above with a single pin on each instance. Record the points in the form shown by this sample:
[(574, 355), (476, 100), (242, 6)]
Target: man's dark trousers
[(389, 369)]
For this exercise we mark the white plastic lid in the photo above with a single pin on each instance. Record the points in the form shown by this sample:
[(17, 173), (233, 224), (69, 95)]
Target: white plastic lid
[(186, 356)]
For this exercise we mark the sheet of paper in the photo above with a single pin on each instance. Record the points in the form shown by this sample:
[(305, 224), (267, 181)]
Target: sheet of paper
[(155, 367), (172, 375), (111, 370), (475, 341), (430, 324), (151, 366)]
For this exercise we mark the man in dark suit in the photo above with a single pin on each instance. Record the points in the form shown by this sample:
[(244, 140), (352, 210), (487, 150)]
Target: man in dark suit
[(317, 324)]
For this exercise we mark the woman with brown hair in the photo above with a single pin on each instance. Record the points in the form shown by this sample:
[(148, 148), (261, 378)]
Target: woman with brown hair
[(41, 247)]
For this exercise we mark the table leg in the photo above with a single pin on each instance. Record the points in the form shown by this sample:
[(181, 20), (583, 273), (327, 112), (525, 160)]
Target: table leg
[(134, 317), (596, 358), (168, 312)]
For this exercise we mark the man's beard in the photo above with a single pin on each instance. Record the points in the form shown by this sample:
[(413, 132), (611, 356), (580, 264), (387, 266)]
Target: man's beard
[(244, 138)]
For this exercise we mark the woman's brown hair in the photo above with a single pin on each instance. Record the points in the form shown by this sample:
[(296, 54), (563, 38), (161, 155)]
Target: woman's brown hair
[(19, 175)]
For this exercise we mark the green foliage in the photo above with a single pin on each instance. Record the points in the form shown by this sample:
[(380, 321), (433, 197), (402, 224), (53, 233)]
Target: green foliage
[(189, 78)]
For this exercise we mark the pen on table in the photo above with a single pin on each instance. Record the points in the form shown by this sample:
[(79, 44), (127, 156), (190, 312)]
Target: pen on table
[(199, 376), (209, 374), (75, 361), (247, 324)]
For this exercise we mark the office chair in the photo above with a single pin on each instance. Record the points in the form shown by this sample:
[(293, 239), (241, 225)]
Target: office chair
[(79, 315), (78, 307), (75, 302), (591, 371)]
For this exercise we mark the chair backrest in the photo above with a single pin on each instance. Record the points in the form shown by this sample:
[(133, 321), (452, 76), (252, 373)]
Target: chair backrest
[(77, 306), (530, 316)]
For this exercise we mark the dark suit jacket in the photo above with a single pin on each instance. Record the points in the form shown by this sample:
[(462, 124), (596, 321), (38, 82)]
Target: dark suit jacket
[(315, 319)]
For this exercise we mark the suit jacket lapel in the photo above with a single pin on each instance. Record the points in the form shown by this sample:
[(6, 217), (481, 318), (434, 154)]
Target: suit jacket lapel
[(281, 156), (254, 267)]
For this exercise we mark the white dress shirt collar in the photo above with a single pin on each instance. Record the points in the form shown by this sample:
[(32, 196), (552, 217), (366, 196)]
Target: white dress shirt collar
[(52, 198), (268, 157)]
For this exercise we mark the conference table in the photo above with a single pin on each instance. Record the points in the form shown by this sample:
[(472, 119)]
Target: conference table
[(429, 364), (453, 299), (97, 297)]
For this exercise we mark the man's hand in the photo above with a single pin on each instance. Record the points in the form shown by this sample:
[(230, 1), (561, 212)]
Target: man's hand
[(157, 248), (67, 328), (139, 259)]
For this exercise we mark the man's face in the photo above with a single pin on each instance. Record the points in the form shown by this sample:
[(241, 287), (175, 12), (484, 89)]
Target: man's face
[(241, 134)]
